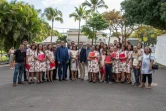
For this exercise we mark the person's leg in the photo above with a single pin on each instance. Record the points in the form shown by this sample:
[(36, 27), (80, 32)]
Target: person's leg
[(51, 74), (41, 74), (107, 73), (48, 76), (21, 70), (110, 73), (73, 76), (143, 80), (70, 74), (16, 71), (25, 75), (94, 77), (137, 77), (54, 74), (80, 67), (149, 80), (83, 70), (29, 81), (64, 71), (32, 76), (60, 72)]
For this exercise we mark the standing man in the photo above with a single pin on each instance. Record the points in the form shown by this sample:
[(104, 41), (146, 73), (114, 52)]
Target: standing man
[(63, 59), (82, 60), (19, 57), (25, 43), (55, 70)]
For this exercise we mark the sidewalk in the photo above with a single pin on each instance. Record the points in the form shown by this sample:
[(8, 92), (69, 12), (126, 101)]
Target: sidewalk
[(4, 65)]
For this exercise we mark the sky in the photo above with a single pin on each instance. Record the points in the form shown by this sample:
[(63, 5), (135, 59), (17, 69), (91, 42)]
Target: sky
[(67, 7)]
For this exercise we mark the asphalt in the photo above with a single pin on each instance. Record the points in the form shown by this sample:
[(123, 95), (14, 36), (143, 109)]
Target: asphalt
[(81, 95)]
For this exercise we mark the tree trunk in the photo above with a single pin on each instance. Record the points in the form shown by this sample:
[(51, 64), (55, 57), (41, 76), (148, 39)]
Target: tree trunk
[(79, 32), (52, 30), (93, 35), (109, 38)]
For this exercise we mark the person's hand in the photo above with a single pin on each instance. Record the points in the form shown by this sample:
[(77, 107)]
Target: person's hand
[(82, 62), (150, 68), (67, 62), (59, 63)]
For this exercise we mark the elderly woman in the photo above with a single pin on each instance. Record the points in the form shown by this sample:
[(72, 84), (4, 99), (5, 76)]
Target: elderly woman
[(147, 63)]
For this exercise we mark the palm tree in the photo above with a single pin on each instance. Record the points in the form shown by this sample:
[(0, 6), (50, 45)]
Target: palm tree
[(80, 13), (94, 5), (53, 15)]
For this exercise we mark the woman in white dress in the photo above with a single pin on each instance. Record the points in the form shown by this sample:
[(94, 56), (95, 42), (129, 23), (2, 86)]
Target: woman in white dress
[(11, 52), (50, 62), (74, 61), (40, 64), (30, 62)]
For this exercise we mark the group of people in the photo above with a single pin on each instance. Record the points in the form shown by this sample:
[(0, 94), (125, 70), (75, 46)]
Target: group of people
[(116, 62)]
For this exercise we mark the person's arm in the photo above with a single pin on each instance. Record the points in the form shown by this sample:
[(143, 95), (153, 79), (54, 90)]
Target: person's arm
[(57, 55), (151, 62), (9, 52), (67, 55)]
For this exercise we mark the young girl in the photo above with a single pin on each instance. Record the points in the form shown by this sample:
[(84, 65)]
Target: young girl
[(102, 66), (30, 62), (40, 64), (74, 61), (147, 63), (50, 62), (115, 68), (123, 58), (108, 67), (11, 52)]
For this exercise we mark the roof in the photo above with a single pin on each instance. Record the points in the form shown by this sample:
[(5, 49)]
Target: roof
[(48, 39)]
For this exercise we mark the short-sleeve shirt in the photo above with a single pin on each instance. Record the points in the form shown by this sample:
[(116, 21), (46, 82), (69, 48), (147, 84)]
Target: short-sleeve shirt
[(146, 63), (136, 58), (20, 56)]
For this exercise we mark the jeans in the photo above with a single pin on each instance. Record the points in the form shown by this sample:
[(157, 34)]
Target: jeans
[(137, 75), (149, 78), (108, 71), (19, 69), (60, 73), (55, 71), (43, 76)]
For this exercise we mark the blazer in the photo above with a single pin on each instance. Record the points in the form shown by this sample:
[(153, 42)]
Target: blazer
[(82, 55)]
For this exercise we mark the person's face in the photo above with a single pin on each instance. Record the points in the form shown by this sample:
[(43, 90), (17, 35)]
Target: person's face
[(105, 46), (40, 47), (115, 49), (104, 52), (139, 46), (129, 47), (88, 45), (54, 47), (33, 47), (74, 47), (115, 41), (135, 49), (72, 43), (102, 44), (97, 47), (111, 45), (21, 47), (80, 45), (92, 48), (62, 44), (25, 43), (111, 49), (123, 48), (108, 53), (147, 50), (50, 46)]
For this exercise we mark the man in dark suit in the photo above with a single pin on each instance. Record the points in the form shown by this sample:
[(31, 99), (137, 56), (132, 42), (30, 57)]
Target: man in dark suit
[(82, 60)]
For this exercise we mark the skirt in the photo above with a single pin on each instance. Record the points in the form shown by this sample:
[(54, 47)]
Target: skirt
[(115, 68), (122, 67), (93, 66)]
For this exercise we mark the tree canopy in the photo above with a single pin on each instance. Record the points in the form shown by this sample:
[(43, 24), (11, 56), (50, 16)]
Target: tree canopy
[(149, 12)]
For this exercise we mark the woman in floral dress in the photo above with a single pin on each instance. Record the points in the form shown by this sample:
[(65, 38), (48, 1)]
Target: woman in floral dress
[(50, 62), (129, 62), (115, 68), (30, 66), (74, 61), (40, 64), (123, 58)]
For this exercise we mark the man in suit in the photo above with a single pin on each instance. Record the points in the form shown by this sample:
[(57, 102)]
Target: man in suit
[(62, 58), (82, 60)]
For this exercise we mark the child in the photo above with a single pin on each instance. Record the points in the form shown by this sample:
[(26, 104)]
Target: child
[(102, 65), (108, 68)]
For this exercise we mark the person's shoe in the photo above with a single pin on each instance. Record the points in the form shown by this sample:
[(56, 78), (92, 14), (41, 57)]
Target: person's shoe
[(14, 84), (20, 82), (60, 79), (110, 82)]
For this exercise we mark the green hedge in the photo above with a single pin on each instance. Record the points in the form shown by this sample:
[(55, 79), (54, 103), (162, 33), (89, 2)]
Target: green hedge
[(4, 58)]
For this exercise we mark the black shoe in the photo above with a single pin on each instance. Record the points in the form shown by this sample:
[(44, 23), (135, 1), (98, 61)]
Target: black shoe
[(60, 80), (25, 79)]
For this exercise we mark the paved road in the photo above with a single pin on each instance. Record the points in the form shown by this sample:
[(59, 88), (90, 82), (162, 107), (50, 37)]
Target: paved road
[(81, 95)]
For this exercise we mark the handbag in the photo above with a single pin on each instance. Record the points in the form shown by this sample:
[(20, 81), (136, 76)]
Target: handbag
[(154, 66)]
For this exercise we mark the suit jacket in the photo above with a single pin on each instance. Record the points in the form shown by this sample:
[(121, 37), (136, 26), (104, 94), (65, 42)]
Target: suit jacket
[(82, 55)]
